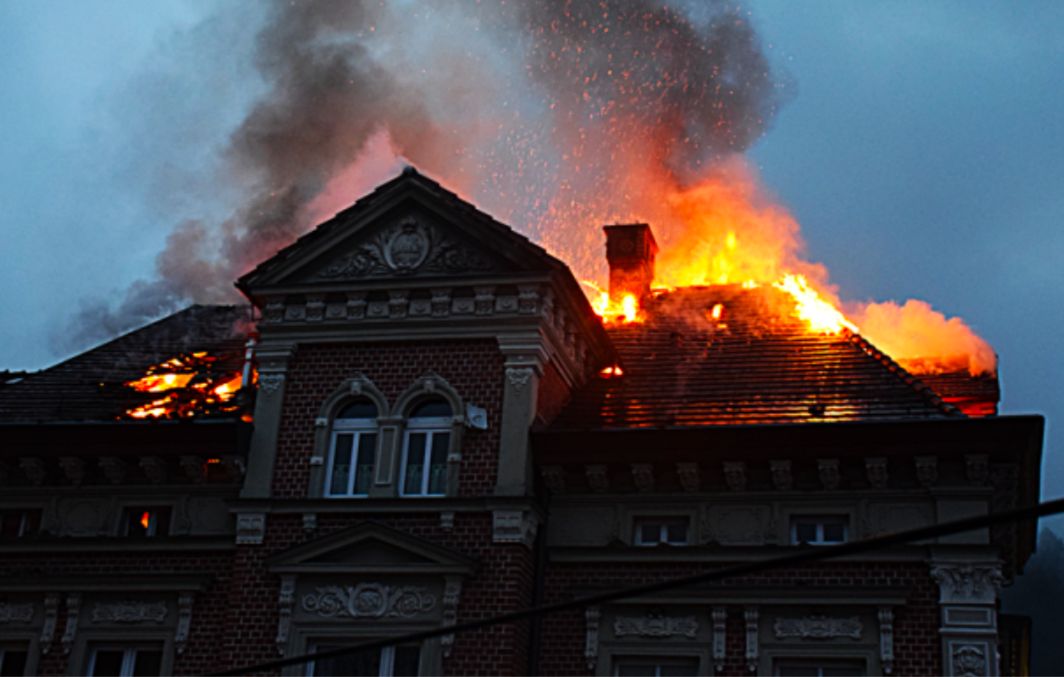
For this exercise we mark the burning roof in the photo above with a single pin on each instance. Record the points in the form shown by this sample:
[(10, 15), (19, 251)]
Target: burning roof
[(187, 364), (727, 355)]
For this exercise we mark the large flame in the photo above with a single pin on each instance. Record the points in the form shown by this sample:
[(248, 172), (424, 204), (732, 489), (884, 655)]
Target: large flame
[(190, 385)]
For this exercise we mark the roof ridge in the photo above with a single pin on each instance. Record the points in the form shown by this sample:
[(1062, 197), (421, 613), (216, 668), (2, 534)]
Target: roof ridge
[(902, 374)]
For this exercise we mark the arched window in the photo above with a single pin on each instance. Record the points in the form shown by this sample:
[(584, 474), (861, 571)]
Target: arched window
[(425, 445), (352, 449)]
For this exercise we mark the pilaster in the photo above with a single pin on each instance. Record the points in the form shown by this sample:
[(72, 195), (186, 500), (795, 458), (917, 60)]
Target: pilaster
[(273, 366), (968, 626), (523, 370)]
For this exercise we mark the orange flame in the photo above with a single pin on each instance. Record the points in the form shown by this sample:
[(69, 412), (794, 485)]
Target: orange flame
[(192, 385), (145, 519), (610, 311)]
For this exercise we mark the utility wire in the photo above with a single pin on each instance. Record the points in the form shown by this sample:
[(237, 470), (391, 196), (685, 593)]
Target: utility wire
[(802, 557)]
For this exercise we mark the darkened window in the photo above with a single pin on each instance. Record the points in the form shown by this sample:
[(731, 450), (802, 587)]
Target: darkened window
[(125, 661), (391, 661), (352, 450), (19, 522), (147, 521), (650, 531), (819, 529), (425, 446), (818, 667), (655, 666), (12, 661)]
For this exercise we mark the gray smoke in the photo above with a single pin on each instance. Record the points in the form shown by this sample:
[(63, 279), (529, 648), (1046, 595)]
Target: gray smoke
[(462, 91)]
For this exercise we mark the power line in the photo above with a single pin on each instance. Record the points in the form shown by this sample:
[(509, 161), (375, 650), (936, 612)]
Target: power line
[(1033, 512)]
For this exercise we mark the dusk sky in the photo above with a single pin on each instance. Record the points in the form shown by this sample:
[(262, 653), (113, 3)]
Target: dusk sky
[(920, 145)]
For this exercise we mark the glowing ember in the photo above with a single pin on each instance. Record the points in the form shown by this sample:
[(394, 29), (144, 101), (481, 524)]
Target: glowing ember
[(820, 315), (717, 311), (612, 371), (192, 384), (145, 519)]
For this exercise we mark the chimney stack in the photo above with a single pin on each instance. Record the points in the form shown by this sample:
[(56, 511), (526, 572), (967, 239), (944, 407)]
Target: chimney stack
[(630, 250)]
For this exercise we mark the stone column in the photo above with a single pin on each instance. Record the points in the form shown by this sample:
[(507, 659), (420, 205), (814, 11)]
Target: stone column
[(522, 373), (273, 366), (968, 626)]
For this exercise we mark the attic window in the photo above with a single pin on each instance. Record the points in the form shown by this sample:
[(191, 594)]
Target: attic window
[(147, 522)]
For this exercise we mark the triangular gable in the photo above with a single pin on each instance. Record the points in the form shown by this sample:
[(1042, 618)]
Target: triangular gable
[(409, 227), (370, 548)]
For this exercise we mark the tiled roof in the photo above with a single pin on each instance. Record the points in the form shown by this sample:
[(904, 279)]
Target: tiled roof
[(755, 365), (89, 386)]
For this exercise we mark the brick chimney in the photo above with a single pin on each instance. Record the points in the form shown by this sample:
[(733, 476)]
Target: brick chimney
[(630, 250)]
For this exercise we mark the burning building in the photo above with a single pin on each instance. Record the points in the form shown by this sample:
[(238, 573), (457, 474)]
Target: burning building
[(427, 422)]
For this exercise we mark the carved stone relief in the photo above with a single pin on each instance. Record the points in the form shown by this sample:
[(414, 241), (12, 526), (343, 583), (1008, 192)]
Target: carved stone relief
[(16, 613), (720, 617), (368, 600), (656, 626), (969, 660), (735, 475), (285, 600), (514, 526), (643, 476), (876, 472), (452, 591), (977, 468), (828, 471), (250, 528), (184, 621), (688, 475), (817, 627), (926, 470), (51, 615), (597, 478), (592, 615), (782, 479), (886, 639), (750, 616), (961, 584), (128, 611), (405, 248), (73, 605)]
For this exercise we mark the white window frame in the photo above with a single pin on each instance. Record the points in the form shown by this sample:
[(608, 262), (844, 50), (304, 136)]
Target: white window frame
[(356, 427), (430, 427), (129, 658), (819, 521), (387, 663), (663, 522)]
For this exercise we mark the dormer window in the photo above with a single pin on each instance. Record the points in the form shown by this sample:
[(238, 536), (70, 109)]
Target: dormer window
[(352, 450), (425, 446)]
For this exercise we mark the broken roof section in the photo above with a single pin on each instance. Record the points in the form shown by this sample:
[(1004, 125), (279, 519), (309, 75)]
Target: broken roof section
[(689, 365), (93, 386)]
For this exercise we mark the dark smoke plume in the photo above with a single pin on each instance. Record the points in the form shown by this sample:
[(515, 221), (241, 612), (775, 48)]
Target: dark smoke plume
[(526, 107)]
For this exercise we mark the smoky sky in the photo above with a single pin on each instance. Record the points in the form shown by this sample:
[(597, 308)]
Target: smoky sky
[(602, 71)]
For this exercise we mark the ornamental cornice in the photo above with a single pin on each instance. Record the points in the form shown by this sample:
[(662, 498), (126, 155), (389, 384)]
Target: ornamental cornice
[(369, 600), (967, 584), (656, 626), (15, 613), (818, 627), (128, 611)]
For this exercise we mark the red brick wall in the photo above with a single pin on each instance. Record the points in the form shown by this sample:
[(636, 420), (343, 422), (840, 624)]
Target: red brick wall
[(473, 368), (916, 640), (502, 582), (208, 611)]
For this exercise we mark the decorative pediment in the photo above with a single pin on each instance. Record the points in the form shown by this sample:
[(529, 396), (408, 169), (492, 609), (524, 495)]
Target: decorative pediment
[(371, 548), (409, 246), (408, 228)]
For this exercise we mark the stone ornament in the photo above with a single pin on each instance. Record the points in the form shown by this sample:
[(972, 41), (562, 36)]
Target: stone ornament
[(154, 469), (735, 475), (689, 477), (967, 584), (876, 472), (368, 600), (968, 660), (926, 470), (977, 468), (184, 621), (16, 613), (554, 478), (513, 526), (51, 615), (285, 598), (643, 477), (33, 468), (518, 376), (73, 605), (250, 528), (452, 592), (592, 615), (886, 639), (597, 478), (817, 627), (73, 468), (828, 471), (270, 384), (129, 612), (720, 617), (656, 626), (407, 247), (750, 616), (782, 478)]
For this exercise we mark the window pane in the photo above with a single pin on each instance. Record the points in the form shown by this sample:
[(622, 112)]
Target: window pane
[(107, 662), (834, 532), (367, 449), (361, 663), (12, 662), (649, 532), (415, 463), (431, 409), (341, 468), (677, 532), (148, 662), (438, 463), (362, 408), (805, 532), (406, 660)]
